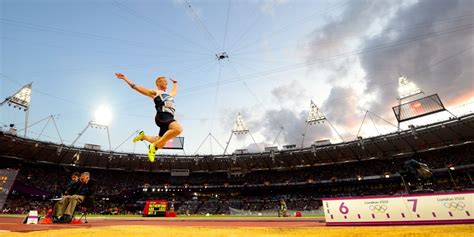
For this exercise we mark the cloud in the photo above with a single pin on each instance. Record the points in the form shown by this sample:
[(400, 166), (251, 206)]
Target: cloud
[(340, 33), (269, 6), (230, 117), (429, 41), (427, 62), (386, 38), (293, 121), (292, 94), (341, 109)]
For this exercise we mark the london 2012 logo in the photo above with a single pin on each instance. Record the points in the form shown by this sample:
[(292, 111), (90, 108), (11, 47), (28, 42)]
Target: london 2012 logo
[(454, 205), (378, 208)]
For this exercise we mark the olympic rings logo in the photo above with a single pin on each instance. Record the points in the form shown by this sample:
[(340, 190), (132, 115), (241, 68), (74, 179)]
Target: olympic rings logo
[(455, 205), (378, 208)]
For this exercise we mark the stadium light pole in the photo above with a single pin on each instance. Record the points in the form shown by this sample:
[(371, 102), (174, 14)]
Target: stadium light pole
[(415, 108), (21, 100), (210, 136), (47, 119), (240, 129), (101, 121), (451, 168), (470, 178), (405, 184), (406, 89), (316, 116), (276, 138), (92, 124), (369, 114)]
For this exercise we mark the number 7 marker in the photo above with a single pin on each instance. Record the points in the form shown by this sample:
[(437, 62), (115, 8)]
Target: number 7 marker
[(415, 201)]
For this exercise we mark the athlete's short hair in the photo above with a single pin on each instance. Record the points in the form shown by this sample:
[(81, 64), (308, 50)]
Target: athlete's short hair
[(160, 77)]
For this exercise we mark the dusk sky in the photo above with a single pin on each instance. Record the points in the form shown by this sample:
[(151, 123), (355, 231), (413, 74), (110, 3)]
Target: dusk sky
[(345, 55)]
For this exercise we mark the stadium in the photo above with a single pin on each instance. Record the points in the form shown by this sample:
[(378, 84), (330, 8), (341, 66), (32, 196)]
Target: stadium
[(287, 171)]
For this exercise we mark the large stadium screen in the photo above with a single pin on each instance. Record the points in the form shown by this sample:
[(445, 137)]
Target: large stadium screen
[(418, 108), (7, 177), (175, 143)]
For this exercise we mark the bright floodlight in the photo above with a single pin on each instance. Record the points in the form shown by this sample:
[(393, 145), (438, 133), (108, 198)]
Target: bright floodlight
[(103, 116), (407, 88)]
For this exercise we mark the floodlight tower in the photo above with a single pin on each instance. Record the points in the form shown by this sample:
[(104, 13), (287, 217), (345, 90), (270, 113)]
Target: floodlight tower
[(210, 137), (316, 116), (92, 124), (239, 129), (415, 108), (406, 89), (101, 121), (21, 100), (48, 119)]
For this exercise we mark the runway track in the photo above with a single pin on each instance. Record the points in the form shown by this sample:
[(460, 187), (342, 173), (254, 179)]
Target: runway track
[(221, 227), (14, 223)]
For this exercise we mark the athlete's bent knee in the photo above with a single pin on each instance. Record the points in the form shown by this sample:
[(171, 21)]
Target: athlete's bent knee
[(177, 128)]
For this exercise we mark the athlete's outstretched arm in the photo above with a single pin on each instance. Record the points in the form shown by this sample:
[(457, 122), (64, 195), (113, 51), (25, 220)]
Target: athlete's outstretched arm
[(174, 89), (140, 89)]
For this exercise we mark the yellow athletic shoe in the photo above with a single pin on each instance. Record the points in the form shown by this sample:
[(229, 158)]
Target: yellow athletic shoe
[(151, 152), (139, 137)]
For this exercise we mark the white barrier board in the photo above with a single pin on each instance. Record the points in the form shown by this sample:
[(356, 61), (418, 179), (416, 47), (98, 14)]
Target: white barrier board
[(439, 208)]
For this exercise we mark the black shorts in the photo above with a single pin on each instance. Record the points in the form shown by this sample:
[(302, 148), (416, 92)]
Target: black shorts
[(163, 120)]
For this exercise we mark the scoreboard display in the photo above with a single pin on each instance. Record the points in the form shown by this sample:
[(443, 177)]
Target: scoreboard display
[(7, 177), (418, 108), (175, 143), (155, 208)]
